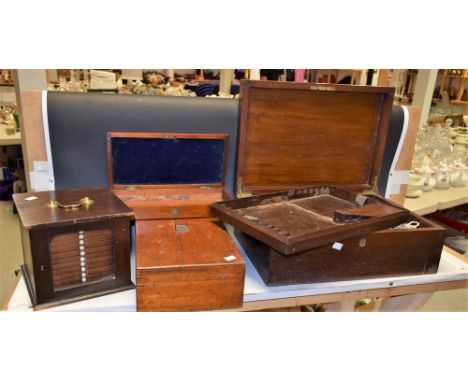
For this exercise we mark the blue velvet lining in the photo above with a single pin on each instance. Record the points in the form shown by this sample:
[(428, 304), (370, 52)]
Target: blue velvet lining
[(167, 161)]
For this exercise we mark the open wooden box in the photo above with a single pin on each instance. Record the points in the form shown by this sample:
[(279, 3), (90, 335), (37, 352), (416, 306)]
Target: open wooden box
[(320, 147), (185, 259)]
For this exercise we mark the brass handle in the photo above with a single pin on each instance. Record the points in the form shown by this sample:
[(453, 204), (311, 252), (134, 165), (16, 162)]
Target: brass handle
[(85, 201)]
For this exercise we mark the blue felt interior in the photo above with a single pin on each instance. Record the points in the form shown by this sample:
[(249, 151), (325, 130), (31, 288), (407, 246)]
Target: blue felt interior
[(167, 161)]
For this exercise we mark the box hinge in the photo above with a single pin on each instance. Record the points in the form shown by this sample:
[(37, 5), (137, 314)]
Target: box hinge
[(374, 190), (240, 193), (205, 187), (131, 188)]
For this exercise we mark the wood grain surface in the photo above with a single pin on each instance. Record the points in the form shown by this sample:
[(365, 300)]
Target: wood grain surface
[(294, 134), (383, 253), (182, 266)]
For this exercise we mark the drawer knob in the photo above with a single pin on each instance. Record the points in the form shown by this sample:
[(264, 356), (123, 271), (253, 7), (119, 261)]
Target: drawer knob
[(83, 279)]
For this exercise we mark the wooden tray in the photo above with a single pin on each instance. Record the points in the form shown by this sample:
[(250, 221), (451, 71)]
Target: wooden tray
[(301, 219)]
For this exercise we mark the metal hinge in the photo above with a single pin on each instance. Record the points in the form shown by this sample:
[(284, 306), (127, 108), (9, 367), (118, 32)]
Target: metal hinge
[(373, 191), (240, 193)]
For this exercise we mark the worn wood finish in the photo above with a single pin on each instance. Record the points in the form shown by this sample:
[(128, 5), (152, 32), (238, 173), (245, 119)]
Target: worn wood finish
[(186, 260), (118, 134), (36, 213), (297, 134), (170, 203), (74, 253), (182, 266), (301, 219), (380, 254)]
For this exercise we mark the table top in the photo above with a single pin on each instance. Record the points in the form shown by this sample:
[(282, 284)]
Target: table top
[(437, 200), (452, 269)]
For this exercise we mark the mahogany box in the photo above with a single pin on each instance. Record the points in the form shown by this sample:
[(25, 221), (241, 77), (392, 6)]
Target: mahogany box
[(308, 161), (76, 244), (185, 259)]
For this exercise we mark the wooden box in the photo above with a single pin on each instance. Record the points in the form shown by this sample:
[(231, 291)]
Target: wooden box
[(185, 258), (310, 143), (76, 244)]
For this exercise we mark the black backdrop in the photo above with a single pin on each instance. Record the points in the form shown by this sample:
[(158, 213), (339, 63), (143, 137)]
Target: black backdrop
[(78, 124)]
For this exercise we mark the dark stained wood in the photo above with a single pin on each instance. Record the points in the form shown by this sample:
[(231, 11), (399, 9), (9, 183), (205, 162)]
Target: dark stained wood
[(383, 253), (119, 134), (294, 135), (181, 266), (295, 220), (36, 212), (52, 241)]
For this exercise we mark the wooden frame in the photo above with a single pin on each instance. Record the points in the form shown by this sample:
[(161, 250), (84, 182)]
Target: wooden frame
[(288, 244), (110, 135), (381, 109)]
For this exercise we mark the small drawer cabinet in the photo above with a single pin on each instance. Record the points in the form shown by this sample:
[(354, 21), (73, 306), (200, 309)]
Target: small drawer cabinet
[(76, 244)]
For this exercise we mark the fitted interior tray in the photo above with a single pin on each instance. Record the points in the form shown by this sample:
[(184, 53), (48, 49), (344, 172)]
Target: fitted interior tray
[(301, 219)]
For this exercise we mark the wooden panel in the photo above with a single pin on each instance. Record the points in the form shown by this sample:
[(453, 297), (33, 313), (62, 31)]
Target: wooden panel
[(183, 242), (380, 254), (181, 266), (294, 134), (158, 203), (37, 213), (157, 244), (81, 255), (297, 220), (32, 131), (191, 296)]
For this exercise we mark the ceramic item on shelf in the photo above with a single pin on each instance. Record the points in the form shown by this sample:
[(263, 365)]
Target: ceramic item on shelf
[(462, 139), (442, 177), (428, 182), (456, 178), (10, 129), (413, 189), (453, 132)]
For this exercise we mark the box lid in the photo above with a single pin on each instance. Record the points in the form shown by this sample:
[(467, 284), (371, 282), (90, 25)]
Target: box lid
[(35, 208), (297, 134), (159, 160)]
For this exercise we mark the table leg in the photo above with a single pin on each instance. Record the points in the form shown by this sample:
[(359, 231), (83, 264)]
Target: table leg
[(405, 303), (342, 306)]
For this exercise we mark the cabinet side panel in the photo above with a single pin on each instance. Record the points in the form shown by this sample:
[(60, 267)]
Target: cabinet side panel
[(122, 248), (27, 256)]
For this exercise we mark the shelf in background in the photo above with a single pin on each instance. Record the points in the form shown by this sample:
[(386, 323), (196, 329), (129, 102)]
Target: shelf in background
[(8, 140), (437, 200)]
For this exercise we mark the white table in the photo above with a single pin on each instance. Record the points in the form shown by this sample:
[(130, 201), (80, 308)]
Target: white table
[(452, 274), (437, 200)]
